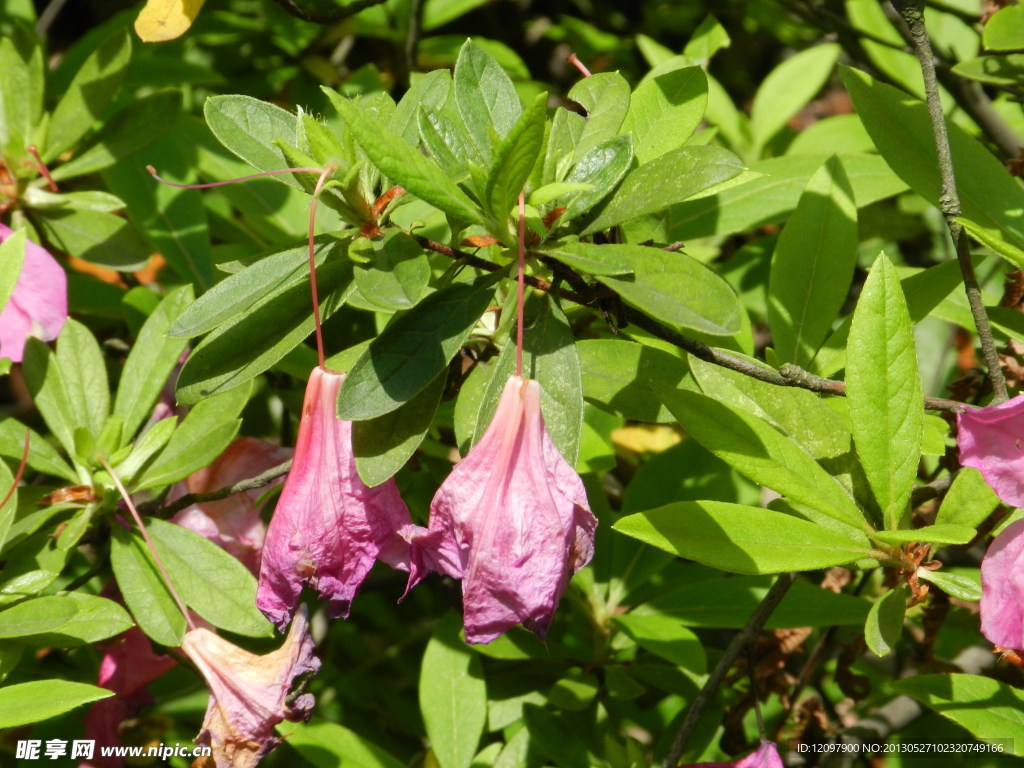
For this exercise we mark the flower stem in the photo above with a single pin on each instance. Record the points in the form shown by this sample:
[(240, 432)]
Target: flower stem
[(20, 472), (521, 285), (40, 166), (260, 175), (149, 542), (574, 60), (912, 12), (312, 266)]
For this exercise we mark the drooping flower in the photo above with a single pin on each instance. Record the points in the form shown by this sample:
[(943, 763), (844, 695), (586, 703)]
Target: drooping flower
[(39, 305), (234, 524), (767, 756), (249, 693), (127, 667), (1002, 589), (992, 441), (329, 527), (511, 520)]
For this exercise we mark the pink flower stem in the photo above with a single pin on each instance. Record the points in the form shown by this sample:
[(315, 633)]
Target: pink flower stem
[(40, 166), (520, 288), (574, 60), (312, 267), (155, 175), (149, 542), (20, 472)]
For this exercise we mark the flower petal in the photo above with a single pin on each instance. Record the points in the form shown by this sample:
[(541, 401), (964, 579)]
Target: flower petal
[(39, 305), (992, 441), (1002, 589)]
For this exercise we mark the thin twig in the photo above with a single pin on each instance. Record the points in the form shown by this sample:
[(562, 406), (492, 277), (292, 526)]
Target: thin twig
[(412, 38), (729, 656), (260, 480), (912, 12), (339, 13)]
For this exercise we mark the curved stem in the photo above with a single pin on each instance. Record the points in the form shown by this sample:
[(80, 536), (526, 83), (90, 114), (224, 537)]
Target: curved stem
[(521, 284), (312, 266), (260, 175), (20, 472)]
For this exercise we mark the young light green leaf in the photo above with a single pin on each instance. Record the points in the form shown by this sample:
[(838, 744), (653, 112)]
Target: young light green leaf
[(39, 700), (969, 500), (484, 96), (813, 265), (992, 711), (789, 87), (21, 98), (429, 90), (1004, 31), (513, 161), (740, 539), (412, 350), (603, 167), (665, 111), (144, 590), (1005, 69), (709, 38), (945, 533), (953, 584), (883, 389), (606, 100), (884, 624)]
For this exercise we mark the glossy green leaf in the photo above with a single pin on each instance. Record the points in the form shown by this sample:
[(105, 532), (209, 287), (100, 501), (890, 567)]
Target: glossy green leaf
[(788, 88), (250, 343), (1004, 31), (91, 200), (513, 160), (397, 274), (64, 621), (675, 289), (884, 624), (812, 266), (664, 112), (969, 501), (624, 377), (413, 350), (605, 98), (740, 539), (212, 582), (249, 127), (761, 453), (883, 388), (992, 711), (101, 238), (90, 93), (591, 258), (329, 745), (940, 533), (484, 96), (144, 590), (603, 167), (453, 696), (666, 637), (39, 700), (953, 584)]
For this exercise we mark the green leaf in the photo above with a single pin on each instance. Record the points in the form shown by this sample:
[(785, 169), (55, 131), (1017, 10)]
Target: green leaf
[(453, 696), (675, 289), (575, 691), (740, 539), (430, 90), (138, 125), (92, 200), (553, 735), (50, 393), (603, 167), (884, 624), (8, 510), (761, 453), (199, 439), (413, 350), (624, 378), (883, 389), (946, 533), (1005, 69), (1004, 31), (144, 590), (990, 710), (606, 100), (84, 374), (513, 161), (249, 127), (447, 143), (813, 265), (384, 444), (484, 96), (329, 745), (42, 456), (678, 175), (994, 238), (213, 583), (900, 127), (666, 637), (104, 239), (591, 258), (788, 88), (954, 584), (150, 363), (37, 615), (664, 112), (709, 38), (90, 93), (40, 700), (403, 163), (397, 274), (67, 621), (12, 256), (250, 343), (21, 98), (969, 501)]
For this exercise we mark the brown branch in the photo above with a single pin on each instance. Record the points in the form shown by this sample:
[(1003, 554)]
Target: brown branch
[(260, 480), (338, 13)]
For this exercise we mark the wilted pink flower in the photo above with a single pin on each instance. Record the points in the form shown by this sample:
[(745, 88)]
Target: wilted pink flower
[(249, 693), (1002, 589), (765, 757), (39, 305), (329, 527), (127, 667), (992, 441), (511, 521), (234, 523)]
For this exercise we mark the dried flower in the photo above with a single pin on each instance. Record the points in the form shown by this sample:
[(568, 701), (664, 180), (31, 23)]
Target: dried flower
[(39, 305), (992, 441), (329, 527), (511, 521), (767, 756), (249, 693)]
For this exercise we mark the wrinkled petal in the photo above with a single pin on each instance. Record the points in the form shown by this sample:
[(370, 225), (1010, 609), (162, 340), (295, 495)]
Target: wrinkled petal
[(511, 520), (248, 693), (992, 441), (1002, 589), (328, 527), (127, 667), (234, 524), (39, 305), (765, 757)]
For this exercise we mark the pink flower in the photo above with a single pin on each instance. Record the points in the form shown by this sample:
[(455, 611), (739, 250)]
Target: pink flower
[(992, 441), (249, 693), (765, 757), (1002, 589), (127, 667), (511, 521), (234, 524), (329, 527), (39, 305)]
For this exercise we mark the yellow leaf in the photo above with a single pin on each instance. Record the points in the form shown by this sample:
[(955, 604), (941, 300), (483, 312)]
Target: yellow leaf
[(164, 20)]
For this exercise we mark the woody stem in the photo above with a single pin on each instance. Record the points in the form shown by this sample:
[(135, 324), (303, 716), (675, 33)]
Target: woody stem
[(521, 284)]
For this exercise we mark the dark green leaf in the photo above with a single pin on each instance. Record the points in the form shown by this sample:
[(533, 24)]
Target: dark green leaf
[(513, 161), (574, 691), (144, 590), (954, 584), (397, 275), (329, 745), (553, 735)]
